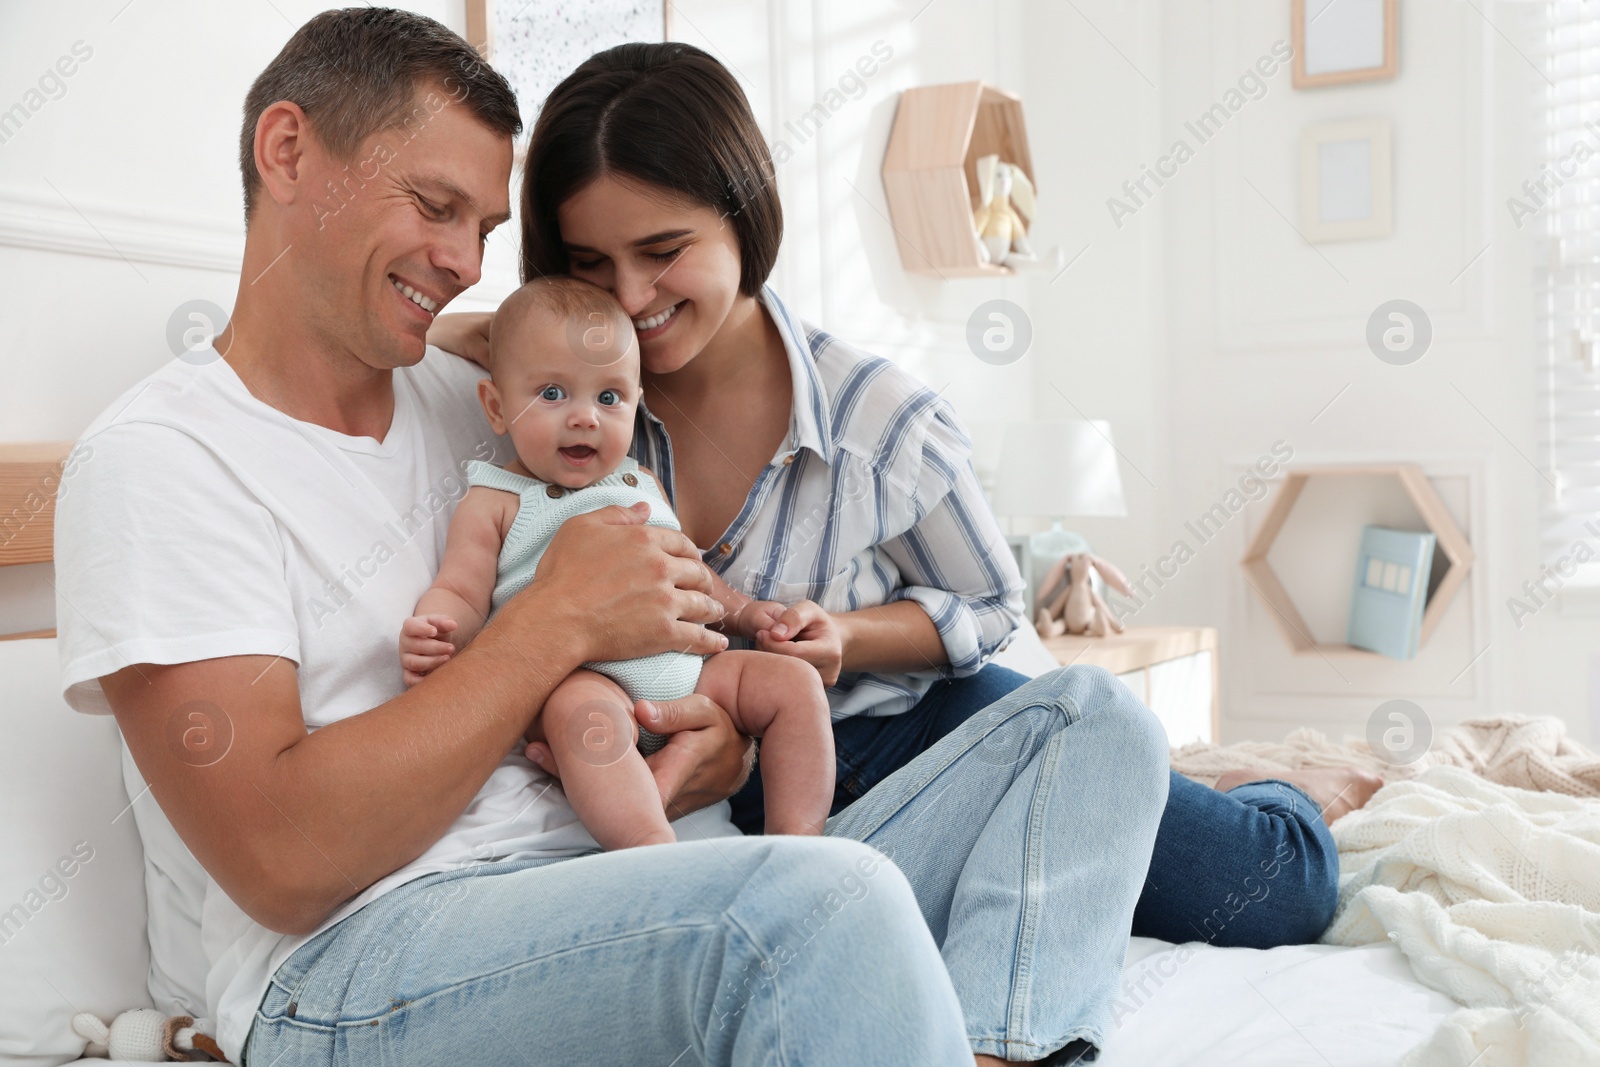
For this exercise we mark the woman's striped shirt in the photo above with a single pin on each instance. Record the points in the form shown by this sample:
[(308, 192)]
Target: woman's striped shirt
[(871, 498)]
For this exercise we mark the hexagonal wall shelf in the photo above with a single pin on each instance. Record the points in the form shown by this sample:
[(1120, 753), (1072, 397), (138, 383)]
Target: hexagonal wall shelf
[(930, 173), (1452, 542)]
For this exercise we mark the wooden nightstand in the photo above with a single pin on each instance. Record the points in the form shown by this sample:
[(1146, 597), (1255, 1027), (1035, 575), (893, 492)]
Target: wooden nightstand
[(1173, 669)]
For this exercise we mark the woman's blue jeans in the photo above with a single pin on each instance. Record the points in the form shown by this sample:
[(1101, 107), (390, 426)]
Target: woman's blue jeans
[(1250, 868), (977, 900)]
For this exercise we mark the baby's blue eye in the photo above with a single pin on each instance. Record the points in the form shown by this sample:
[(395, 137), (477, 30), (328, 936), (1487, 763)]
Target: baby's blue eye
[(552, 392), (609, 397)]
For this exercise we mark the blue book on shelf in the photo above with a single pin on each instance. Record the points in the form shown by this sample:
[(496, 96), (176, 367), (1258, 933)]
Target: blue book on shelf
[(1390, 590)]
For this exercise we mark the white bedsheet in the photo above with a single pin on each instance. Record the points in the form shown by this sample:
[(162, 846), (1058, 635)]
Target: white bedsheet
[(1317, 1005)]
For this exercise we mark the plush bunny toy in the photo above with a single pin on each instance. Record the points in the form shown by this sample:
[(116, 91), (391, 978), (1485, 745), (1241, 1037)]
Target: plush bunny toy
[(1068, 602), (144, 1035), (1005, 207)]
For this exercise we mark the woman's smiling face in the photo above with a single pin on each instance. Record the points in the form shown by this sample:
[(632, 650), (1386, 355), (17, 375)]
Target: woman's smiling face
[(671, 263)]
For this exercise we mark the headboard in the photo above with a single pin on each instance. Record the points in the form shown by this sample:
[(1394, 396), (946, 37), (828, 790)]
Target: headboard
[(30, 475)]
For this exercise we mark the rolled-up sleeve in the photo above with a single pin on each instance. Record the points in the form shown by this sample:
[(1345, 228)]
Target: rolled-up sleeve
[(954, 561)]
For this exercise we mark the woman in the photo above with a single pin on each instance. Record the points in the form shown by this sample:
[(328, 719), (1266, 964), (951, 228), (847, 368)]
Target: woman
[(810, 473)]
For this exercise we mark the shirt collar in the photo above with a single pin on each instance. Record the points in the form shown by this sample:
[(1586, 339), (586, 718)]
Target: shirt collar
[(809, 417)]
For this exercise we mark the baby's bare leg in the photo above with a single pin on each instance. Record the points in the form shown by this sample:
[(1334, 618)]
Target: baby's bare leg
[(781, 701), (588, 723)]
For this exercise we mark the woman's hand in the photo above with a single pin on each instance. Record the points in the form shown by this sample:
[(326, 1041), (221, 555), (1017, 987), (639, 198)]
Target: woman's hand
[(463, 333), (705, 759), (808, 633)]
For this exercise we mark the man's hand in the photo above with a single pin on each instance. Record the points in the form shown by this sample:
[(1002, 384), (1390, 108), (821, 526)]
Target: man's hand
[(808, 633), (704, 760), (627, 590), (424, 645)]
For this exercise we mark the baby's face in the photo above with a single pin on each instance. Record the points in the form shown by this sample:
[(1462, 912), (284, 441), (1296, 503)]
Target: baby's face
[(566, 392)]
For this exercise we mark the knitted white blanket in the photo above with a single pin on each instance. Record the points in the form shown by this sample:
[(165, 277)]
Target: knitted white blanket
[(1493, 894), (1529, 753)]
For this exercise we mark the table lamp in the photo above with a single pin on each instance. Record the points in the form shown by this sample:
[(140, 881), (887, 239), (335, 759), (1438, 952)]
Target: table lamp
[(1055, 470)]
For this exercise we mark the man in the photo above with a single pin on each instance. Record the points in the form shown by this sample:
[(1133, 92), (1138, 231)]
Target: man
[(233, 567)]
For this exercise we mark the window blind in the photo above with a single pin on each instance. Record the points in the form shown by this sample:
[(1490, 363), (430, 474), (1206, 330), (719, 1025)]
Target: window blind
[(1562, 199)]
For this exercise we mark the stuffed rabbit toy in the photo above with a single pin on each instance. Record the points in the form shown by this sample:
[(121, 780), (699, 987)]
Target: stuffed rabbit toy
[(1005, 207), (1068, 603)]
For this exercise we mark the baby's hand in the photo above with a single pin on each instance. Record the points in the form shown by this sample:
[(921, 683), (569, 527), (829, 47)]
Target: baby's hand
[(755, 616), (423, 646), (807, 632)]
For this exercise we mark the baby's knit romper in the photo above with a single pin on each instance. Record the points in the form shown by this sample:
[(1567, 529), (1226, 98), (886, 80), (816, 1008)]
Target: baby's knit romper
[(544, 507)]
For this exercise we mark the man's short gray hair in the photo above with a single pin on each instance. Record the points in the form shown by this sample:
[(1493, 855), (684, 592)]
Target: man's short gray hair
[(361, 69)]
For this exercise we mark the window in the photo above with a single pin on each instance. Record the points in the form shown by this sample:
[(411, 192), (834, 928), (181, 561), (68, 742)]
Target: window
[(1562, 199)]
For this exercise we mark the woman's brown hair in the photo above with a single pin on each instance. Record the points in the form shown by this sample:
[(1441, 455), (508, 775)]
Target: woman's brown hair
[(668, 115)]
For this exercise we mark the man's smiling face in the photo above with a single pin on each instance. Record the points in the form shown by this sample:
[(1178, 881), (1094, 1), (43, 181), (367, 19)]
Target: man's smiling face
[(384, 240)]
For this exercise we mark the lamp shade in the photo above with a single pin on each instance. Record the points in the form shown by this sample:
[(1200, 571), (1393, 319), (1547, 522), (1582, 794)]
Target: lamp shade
[(1059, 470)]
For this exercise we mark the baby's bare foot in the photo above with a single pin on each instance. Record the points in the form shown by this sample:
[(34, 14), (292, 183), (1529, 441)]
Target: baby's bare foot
[(1340, 790)]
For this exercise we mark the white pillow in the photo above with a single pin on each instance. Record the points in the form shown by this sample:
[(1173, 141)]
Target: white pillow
[(72, 902)]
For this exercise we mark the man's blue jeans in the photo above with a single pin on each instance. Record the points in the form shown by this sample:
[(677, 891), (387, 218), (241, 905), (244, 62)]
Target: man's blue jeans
[(1251, 868), (1018, 843)]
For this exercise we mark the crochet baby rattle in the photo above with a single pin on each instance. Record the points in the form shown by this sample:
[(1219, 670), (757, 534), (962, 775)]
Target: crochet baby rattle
[(144, 1035)]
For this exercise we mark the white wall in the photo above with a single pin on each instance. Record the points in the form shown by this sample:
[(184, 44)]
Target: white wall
[(1093, 110), (1257, 331)]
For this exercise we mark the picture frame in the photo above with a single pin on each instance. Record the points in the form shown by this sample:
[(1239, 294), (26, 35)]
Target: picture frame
[(1337, 42), (536, 43), (1346, 181)]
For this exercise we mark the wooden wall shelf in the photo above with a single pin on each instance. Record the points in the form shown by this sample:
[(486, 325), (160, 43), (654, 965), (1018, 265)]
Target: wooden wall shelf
[(1452, 542), (30, 474), (930, 172), (30, 477)]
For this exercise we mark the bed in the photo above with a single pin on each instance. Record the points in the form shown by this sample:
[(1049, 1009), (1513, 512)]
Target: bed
[(77, 943)]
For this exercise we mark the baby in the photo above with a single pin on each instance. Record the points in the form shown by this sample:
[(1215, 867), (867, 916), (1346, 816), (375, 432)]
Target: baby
[(564, 366)]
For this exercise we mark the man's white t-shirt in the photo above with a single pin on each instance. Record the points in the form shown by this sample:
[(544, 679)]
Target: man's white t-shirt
[(200, 523)]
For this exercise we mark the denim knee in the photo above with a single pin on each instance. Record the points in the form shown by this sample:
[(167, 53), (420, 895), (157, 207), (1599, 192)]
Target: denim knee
[(864, 981), (1301, 874), (835, 881), (1305, 857), (1307, 888), (1323, 887), (1142, 740), (1318, 875), (829, 900)]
